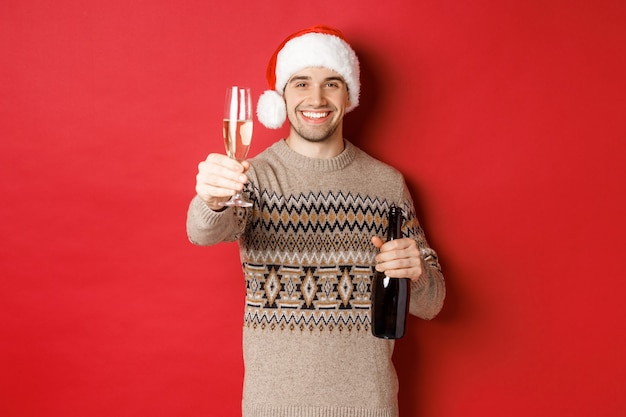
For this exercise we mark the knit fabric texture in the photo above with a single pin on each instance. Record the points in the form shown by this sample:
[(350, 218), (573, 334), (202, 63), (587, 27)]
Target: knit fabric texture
[(308, 261)]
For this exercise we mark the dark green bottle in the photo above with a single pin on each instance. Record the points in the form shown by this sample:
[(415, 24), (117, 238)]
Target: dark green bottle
[(390, 296)]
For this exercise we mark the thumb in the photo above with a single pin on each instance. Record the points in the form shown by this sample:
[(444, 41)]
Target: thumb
[(378, 242)]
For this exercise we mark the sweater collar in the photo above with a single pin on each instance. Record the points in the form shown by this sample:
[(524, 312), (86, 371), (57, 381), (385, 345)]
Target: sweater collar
[(295, 160)]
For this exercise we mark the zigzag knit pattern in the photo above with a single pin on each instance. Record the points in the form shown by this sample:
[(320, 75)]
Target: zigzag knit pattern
[(309, 261)]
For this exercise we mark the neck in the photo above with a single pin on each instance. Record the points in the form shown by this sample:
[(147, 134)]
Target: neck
[(323, 149)]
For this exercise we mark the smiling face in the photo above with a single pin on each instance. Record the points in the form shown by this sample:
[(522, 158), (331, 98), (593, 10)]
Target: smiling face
[(316, 100)]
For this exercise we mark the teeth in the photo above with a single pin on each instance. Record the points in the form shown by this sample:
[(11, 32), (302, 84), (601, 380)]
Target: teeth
[(314, 115)]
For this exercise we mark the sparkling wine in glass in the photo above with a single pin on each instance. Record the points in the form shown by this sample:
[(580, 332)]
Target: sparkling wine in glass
[(237, 131)]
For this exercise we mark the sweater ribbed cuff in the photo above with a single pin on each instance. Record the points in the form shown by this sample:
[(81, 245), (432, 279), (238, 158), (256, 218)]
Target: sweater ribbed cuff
[(206, 214), (251, 410)]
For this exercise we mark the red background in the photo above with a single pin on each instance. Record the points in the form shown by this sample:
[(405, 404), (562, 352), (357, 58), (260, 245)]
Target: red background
[(506, 117)]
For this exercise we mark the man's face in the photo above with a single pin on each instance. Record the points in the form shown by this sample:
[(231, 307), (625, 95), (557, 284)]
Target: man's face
[(316, 100)]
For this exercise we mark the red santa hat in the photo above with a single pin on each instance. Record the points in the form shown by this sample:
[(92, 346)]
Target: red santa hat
[(318, 46)]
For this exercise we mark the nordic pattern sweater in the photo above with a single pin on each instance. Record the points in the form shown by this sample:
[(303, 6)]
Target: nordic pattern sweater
[(308, 262)]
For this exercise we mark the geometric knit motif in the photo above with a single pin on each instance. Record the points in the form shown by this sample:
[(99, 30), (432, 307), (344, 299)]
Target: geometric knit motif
[(308, 261)]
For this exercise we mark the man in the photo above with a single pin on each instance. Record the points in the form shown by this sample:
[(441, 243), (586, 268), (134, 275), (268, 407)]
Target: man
[(310, 243)]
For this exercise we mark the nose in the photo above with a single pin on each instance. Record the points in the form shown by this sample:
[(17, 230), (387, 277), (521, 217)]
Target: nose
[(317, 97)]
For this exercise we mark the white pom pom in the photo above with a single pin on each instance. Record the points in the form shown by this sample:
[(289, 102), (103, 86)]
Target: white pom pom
[(271, 109)]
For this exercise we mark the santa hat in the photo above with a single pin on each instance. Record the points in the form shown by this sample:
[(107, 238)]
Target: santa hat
[(319, 46)]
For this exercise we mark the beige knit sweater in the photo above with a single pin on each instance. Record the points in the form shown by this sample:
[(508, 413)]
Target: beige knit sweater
[(307, 261)]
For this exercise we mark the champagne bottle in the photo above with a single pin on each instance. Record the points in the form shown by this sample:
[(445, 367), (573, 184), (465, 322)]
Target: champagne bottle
[(390, 296)]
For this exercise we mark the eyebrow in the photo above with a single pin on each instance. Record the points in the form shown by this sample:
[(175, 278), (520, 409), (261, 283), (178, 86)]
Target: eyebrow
[(308, 78)]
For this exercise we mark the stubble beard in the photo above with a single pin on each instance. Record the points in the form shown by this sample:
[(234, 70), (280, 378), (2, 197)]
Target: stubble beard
[(312, 134), (315, 137)]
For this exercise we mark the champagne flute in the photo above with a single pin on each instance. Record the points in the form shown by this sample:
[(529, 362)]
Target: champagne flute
[(237, 131)]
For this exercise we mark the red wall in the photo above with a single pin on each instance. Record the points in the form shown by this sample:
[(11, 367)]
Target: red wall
[(506, 117)]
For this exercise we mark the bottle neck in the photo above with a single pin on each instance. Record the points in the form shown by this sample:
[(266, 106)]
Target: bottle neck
[(394, 228)]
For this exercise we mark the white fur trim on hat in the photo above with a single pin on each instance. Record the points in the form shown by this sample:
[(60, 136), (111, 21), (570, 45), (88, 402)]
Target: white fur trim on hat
[(319, 50)]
